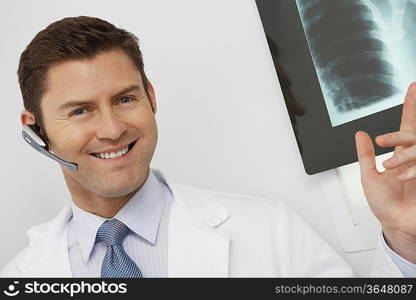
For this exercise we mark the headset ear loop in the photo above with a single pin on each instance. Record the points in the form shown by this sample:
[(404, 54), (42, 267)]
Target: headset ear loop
[(38, 143), (38, 130)]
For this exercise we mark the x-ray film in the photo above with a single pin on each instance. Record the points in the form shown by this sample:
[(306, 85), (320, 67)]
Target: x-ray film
[(343, 66), (361, 51)]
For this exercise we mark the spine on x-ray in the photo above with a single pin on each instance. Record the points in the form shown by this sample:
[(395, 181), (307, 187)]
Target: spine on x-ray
[(347, 47)]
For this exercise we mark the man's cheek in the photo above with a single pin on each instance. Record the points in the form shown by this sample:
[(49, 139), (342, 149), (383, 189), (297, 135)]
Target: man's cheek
[(68, 151)]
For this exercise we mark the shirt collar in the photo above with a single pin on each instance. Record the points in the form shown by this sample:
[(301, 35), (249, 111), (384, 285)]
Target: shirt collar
[(142, 214)]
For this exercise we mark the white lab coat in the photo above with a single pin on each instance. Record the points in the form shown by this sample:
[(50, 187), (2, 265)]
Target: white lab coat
[(211, 235)]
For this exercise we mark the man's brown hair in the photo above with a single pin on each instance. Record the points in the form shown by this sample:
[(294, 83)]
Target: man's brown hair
[(67, 39)]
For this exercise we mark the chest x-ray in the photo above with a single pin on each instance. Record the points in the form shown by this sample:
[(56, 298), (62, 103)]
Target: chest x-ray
[(363, 53)]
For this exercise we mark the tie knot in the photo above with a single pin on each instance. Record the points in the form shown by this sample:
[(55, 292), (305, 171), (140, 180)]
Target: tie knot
[(112, 232)]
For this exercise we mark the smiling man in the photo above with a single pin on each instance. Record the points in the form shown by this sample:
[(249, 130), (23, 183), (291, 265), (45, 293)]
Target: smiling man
[(97, 113), (86, 95)]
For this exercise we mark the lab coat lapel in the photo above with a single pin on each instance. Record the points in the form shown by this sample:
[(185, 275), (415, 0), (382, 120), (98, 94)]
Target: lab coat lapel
[(195, 247), (50, 255), (195, 250)]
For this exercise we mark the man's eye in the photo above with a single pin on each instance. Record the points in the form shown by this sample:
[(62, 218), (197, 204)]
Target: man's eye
[(125, 99), (78, 111)]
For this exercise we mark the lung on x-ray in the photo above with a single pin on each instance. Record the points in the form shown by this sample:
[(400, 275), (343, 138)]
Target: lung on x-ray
[(343, 66), (361, 51)]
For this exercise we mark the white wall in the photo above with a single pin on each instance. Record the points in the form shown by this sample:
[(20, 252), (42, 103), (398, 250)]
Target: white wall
[(222, 120)]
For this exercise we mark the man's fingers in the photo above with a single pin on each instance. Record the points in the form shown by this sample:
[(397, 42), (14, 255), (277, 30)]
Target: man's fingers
[(409, 174), (408, 121), (398, 138), (365, 153), (400, 158)]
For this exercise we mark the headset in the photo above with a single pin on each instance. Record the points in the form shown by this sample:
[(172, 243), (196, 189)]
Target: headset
[(39, 144)]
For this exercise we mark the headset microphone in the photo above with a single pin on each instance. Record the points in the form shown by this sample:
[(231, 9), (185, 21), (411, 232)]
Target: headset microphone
[(36, 142)]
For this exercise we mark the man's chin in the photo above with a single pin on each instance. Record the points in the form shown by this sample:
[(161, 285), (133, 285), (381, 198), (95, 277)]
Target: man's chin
[(116, 191), (110, 183)]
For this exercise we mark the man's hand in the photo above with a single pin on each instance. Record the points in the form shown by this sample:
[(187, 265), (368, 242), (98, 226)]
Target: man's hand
[(391, 194)]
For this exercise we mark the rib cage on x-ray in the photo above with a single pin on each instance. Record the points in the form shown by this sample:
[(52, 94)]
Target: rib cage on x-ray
[(348, 51)]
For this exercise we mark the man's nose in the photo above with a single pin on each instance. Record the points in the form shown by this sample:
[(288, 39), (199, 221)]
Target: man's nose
[(110, 126)]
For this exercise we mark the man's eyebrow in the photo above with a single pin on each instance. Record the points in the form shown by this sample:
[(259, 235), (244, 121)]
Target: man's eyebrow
[(128, 89), (75, 103)]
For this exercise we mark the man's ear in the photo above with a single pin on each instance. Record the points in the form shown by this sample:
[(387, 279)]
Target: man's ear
[(27, 118), (152, 96)]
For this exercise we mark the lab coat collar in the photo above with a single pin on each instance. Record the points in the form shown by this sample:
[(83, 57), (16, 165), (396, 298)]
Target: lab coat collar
[(48, 246), (195, 247)]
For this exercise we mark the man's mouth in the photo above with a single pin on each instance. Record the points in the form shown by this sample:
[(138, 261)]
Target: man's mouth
[(119, 153)]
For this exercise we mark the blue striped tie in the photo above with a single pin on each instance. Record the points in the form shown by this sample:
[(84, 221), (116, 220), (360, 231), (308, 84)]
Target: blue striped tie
[(116, 263)]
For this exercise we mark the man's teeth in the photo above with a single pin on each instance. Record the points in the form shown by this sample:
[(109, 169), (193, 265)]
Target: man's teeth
[(113, 154)]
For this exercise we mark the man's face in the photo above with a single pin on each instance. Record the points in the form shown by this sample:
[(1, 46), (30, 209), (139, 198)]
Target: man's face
[(98, 108)]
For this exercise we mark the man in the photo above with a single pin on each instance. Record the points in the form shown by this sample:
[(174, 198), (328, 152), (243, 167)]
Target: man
[(85, 92)]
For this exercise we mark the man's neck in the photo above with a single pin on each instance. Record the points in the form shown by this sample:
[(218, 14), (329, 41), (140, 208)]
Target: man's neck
[(102, 206), (105, 207)]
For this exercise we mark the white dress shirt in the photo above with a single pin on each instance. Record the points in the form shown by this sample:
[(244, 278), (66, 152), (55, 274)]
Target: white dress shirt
[(146, 214), (407, 268)]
